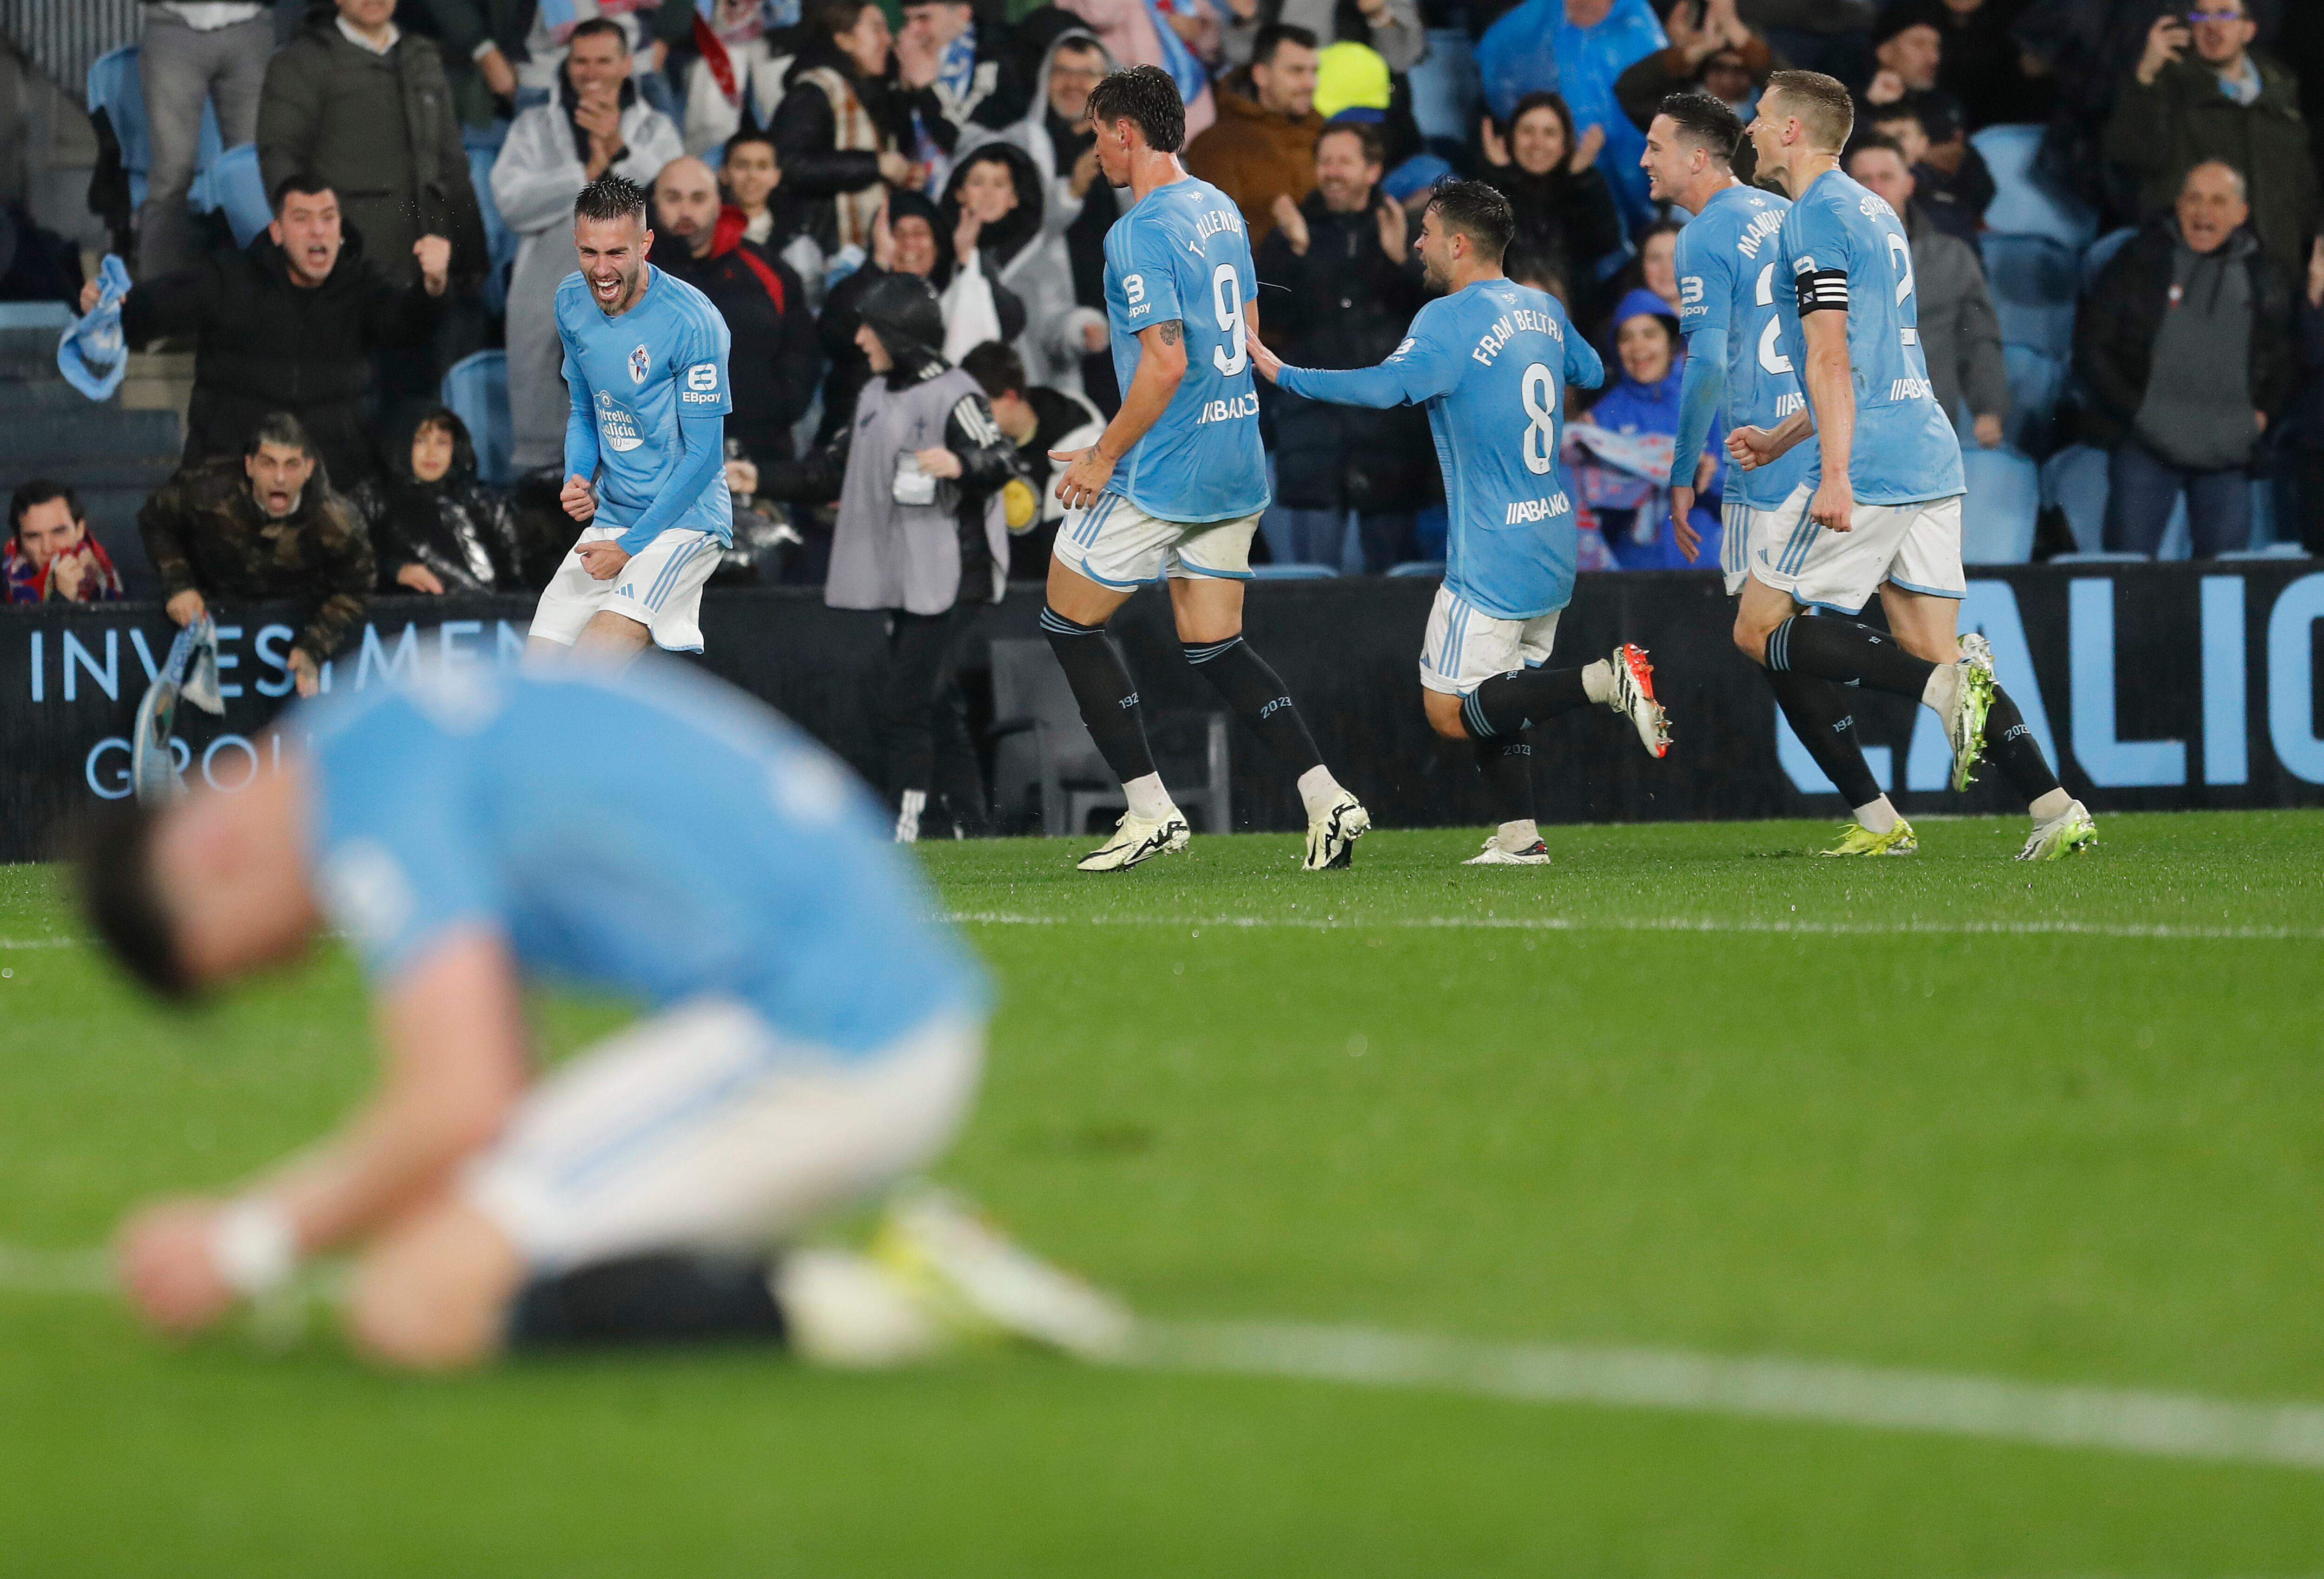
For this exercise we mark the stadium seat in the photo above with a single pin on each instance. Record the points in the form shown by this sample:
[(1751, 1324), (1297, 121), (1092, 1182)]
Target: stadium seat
[(2035, 382), (2102, 557), (2023, 203), (1430, 568), (2101, 252), (2034, 281), (1292, 572), (500, 240), (234, 184), (1444, 86), (2005, 496), (1043, 753), (2075, 481), (116, 87), (2273, 551), (477, 389)]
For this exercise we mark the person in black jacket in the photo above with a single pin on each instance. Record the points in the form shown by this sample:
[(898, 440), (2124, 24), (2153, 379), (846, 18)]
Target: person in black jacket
[(434, 528), (284, 325), (1564, 208), (1348, 286), (2185, 347), (774, 362), (841, 127)]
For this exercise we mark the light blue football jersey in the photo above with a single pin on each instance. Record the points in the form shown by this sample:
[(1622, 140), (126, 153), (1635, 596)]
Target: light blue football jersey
[(663, 359), (1905, 450), (1181, 253), (1733, 277), (1492, 363), (657, 836)]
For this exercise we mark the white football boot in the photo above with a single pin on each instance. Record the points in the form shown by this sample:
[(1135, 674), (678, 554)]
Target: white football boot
[(965, 1267), (1137, 838), (1331, 837), (1634, 698)]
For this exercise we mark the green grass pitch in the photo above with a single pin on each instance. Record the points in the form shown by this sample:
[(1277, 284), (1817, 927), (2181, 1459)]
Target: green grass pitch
[(2061, 1124)]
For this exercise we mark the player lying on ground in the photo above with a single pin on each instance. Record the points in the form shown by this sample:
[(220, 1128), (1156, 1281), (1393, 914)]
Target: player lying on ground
[(810, 1035), (1176, 481), (1491, 359), (1879, 506), (645, 447)]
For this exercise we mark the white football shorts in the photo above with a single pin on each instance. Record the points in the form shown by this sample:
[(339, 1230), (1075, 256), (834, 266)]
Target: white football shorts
[(661, 588), (1116, 544), (704, 1128), (1465, 647), (1915, 546)]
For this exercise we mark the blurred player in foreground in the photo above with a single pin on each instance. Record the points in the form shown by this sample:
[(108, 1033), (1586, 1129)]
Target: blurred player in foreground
[(810, 1035), (1881, 508), (1491, 359)]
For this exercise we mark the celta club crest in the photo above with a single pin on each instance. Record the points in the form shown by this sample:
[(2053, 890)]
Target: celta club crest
[(640, 365)]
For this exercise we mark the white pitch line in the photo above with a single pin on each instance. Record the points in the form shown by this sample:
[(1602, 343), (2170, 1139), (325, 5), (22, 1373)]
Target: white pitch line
[(2159, 1424), (1674, 923), (41, 942)]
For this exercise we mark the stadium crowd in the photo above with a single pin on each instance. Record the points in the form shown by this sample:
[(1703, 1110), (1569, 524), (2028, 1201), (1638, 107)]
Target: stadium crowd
[(799, 153)]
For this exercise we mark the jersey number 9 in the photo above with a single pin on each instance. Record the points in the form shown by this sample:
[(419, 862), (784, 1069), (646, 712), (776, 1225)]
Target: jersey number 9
[(1226, 297), (1540, 397)]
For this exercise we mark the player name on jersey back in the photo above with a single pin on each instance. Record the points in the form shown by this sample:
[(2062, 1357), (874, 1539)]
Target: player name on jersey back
[(1732, 284)]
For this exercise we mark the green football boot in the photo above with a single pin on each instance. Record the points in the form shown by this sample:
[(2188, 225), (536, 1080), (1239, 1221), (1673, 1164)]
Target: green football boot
[(1855, 838)]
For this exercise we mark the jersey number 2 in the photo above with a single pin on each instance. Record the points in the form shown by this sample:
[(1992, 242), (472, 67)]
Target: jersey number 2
[(1226, 297), (1900, 256), (1540, 397)]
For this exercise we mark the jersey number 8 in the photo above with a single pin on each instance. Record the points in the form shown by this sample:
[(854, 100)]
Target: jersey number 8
[(1226, 298), (1540, 397)]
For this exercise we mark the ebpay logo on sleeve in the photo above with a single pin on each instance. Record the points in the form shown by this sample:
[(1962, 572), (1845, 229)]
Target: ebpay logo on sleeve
[(616, 424)]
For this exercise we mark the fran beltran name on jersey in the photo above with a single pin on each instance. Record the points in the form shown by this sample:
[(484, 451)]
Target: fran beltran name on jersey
[(1509, 326)]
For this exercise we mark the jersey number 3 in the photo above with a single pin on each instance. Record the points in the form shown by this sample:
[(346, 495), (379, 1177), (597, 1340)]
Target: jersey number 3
[(1540, 397)]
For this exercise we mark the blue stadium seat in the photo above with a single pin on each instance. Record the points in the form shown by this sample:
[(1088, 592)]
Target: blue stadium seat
[(2101, 557), (2101, 252), (2075, 481), (477, 388), (2023, 204), (1429, 568), (116, 87), (1292, 572), (2005, 496), (2034, 283), (1445, 87), (2273, 551), (234, 184), (2035, 382)]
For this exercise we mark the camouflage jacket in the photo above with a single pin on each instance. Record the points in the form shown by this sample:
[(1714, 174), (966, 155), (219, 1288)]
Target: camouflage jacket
[(205, 533)]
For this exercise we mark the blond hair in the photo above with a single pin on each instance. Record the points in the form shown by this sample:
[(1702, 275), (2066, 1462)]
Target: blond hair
[(1821, 104)]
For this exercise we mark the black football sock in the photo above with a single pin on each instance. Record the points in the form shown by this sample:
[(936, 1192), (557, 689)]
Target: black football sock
[(666, 1298), (1821, 716), (1848, 652), (1101, 685), (1250, 687), (1507, 765), (2012, 748), (1509, 704)]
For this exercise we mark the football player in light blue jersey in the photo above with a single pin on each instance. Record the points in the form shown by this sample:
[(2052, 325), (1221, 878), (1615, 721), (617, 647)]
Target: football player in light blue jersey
[(1173, 486), (1883, 513), (810, 1032), (645, 448), (1491, 359), (1735, 283)]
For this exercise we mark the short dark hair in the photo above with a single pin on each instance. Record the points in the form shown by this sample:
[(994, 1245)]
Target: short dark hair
[(1876, 142), (1542, 98), (35, 492), (750, 135), (1147, 96), (611, 197), (1533, 266), (1272, 37), (997, 369), (298, 184), (1714, 128), (115, 857), (595, 26), (1822, 104), (833, 17), (1478, 212), (279, 427), (1364, 132)]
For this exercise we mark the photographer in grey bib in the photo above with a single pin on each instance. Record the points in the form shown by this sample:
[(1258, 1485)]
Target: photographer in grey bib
[(921, 536)]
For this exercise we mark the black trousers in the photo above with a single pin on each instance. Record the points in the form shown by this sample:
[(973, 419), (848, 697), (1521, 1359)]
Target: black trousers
[(922, 717)]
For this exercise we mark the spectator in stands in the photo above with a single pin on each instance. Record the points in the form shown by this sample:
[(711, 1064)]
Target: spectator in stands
[(1711, 49), (36, 263), (2229, 103), (285, 325), (1655, 268), (1642, 403), (1037, 420), (1132, 37), (1961, 336), (774, 362), (2304, 440), (507, 56), (1263, 146), (1564, 209), (363, 105), (1829, 36), (920, 537), (1581, 47), (838, 132), (1907, 52), (994, 210), (598, 124), (1954, 185), (1392, 27), (434, 528), (52, 552), (2185, 346), (738, 69), (951, 70), (772, 220), (266, 527), (1982, 66), (1350, 286), (192, 53), (1076, 207)]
